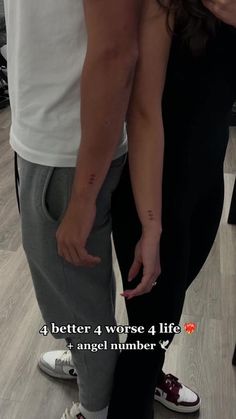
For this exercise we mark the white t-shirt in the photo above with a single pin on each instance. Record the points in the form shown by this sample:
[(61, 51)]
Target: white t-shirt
[(46, 47)]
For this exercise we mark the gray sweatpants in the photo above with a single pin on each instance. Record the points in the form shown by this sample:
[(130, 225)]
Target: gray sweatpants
[(67, 294)]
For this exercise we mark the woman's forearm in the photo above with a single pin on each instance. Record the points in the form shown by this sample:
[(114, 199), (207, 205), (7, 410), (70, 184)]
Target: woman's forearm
[(146, 149), (144, 117)]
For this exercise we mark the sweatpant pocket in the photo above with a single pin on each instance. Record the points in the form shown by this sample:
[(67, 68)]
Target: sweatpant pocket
[(56, 192)]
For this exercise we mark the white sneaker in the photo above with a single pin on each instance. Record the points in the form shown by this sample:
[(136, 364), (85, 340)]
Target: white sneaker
[(73, 413), (58, 364)]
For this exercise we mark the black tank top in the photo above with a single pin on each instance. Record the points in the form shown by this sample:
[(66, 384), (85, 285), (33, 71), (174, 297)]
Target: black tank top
[(200, 90), (197, 102)]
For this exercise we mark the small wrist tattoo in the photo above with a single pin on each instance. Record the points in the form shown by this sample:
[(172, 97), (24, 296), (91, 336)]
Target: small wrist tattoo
[(92, 179), (151, 215)]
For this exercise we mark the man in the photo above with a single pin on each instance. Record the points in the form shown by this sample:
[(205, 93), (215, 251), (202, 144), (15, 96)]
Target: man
[(67, 134), (169, 390)]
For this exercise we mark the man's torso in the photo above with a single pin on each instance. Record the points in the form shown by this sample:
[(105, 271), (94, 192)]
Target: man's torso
[(47, 43)]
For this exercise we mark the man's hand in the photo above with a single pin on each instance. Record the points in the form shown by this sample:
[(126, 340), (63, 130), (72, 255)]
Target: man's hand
[(147, 255), (73, 233), (106, 84), (224, 10)]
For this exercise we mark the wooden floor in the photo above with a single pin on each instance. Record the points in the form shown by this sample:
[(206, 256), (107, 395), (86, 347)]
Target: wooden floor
[(202, 360)]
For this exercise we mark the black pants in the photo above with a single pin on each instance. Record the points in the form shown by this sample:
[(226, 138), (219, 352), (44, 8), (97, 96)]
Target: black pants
[(193, 194)]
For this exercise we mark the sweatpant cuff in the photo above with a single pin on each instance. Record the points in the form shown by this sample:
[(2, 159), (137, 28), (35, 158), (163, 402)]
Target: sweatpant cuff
[(99, 414)]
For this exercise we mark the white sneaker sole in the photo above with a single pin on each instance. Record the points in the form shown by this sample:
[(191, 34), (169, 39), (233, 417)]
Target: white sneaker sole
[(53, 373), (177, 408)]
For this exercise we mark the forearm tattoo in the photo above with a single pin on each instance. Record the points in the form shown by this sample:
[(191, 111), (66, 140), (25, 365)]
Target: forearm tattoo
[(92, 179), (150, 215)]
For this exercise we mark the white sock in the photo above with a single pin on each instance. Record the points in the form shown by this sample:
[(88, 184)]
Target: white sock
[(99, 414)]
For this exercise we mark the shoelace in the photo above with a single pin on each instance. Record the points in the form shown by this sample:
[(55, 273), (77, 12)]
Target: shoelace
[(73, 413), (172, 383), (65, 358)]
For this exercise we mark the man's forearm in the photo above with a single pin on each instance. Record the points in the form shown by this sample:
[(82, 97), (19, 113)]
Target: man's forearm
[(105, 90)]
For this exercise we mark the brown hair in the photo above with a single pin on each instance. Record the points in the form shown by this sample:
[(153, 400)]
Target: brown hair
[(193, 21)]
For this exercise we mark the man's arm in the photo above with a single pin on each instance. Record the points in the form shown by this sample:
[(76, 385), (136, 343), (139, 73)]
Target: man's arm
[(106, 84), (107, 78)]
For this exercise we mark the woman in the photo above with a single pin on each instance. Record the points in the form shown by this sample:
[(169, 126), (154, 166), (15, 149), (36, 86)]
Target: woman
[(198, 97)]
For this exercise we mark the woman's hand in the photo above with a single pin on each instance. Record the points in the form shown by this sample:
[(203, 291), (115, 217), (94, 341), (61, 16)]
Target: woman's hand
[(73, 233), (146, 142), (147, 255), (224, 10)]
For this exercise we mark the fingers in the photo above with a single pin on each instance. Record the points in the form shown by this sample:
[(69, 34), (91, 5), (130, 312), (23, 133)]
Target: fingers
[(146, 285), (77, 255), (87, 259), (134, 270), (147, 255)]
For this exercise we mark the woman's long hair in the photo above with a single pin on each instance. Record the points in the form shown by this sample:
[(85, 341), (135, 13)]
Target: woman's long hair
[(193, 21)]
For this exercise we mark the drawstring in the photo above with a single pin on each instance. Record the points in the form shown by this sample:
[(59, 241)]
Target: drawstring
[(17, 180)]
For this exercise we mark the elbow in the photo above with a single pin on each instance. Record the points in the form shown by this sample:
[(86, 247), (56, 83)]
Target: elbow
[(118, 57), (122, 55), (146, 114), (123, 60)]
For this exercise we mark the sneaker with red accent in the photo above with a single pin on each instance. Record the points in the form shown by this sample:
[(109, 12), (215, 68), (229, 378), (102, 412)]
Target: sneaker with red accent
[(73, 413), (171, 393), (176, 396)]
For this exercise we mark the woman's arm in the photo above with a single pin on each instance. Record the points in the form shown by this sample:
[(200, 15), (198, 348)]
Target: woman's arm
[(146, 141), (224, 10)]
